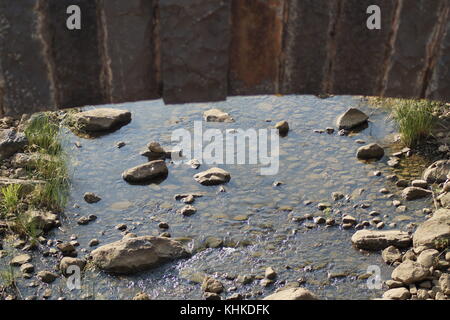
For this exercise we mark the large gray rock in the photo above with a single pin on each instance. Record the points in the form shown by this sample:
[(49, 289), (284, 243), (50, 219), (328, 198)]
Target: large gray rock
[(438, 172), (413, 193), (410, 272), (379, 240), (435, 231), (102, 119), (11, 142), (213, 176), (371, 151), (146, 172), (428, 258), (292, 294), (131, 255), (351, 119)]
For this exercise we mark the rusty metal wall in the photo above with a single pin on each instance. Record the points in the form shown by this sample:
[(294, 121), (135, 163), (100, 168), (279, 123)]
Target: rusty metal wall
[(204, 50)]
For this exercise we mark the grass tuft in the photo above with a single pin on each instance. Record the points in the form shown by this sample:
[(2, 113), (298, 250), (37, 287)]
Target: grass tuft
[(10, 200), (414, 118)]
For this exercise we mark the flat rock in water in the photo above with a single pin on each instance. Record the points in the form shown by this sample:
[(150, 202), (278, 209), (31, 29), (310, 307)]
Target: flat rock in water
[(213, 176), (11, 142), (131, 255), (216, 115), (438, 172), (413, 193), (379, 240), (102, 119), (292, 294), (351, 118), (435, 231), (370, 151), (146, 172)]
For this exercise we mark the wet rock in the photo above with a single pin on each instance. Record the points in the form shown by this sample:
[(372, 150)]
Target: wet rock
[(216, 115), (121, 227), (435, 231), (379, 240), (194, 163), (402, 183), (147, 172), (20, 260), (292, 294), (11, 142), (141, 296), (371, 151), (245, 279), (391, 254), (213, 176), (414, 193), (93, 243), (120, 144), (27, 268), (319, 220), (101, 119), (428, 258), (66, 262), (155, 151), (42, 220), (380, 225), (66, 248), (437, 172), (323, 205), (393, 162), (347, 219), (397, 294), (282, 127), (420, 184), (351, 118), (90, 197), (270, 273), (410, 272), (212, 285), (131, 255), (47, 276), (187, 211), (83, 221), (189, 199), (211, 296), (337, 196)]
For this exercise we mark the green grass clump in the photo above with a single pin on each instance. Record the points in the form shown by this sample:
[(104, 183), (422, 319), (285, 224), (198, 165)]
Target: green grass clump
[(10, 200), (414, 118), (43, 133)]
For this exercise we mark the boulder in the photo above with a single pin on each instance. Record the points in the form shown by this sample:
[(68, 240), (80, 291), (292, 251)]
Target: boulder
[(42, 220), (428, 258), (444, 283), (391, 254), (134, 254), (379, 240), (370, 151), (414, 193), (102, 119), (409, 272), (213, 176), (351, 118), (90, 197), (66, 262), (437, 172), (292, 294), (47, 276), (11, 142), (147, 172), (397, 294), (212, 285), (435, 231), (216, 115), (444, 200)]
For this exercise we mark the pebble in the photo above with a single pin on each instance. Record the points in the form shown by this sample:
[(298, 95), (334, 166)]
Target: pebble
[(94, 243), (121, 227)]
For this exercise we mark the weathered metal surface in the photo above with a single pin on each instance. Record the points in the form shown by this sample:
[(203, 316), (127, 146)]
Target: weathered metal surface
[(26, 81), (409, 60), (306, 44), (256, 46), (75, 54), (129, 49), (358, 59), (194, 50)]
